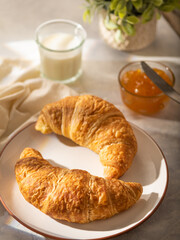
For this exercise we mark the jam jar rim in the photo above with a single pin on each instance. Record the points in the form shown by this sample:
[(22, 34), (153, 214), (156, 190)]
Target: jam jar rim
[(150, 62)]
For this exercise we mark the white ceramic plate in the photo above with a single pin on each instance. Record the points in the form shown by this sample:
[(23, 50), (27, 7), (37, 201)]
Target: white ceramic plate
[(149, 168)]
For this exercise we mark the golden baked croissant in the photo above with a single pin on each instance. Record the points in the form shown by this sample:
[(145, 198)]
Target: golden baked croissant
[(72, 195), (93, 123)]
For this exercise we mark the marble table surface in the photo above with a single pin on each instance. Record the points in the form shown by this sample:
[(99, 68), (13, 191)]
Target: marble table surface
[(18, 22)]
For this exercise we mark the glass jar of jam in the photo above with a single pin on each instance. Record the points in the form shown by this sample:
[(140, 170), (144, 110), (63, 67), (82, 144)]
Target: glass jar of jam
[(138, 92)]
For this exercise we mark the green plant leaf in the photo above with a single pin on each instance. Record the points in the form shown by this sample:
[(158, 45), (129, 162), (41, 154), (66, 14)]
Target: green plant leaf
[(137, 4), (113, 4), (122, 13), (167, 7), (157, 3), (118, 36), (148, 14), (87, 15), (128, 28), (119, 7), (129, 7), (177, 4), (109, 24), (132, 19)]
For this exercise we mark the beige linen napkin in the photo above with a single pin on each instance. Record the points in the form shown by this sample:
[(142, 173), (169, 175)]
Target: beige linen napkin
[(23, 94)]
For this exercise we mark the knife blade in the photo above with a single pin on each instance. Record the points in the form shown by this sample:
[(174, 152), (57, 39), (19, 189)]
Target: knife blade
[(160, 83)]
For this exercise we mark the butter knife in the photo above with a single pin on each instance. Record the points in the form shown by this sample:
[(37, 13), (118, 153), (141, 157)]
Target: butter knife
[(160, 83)]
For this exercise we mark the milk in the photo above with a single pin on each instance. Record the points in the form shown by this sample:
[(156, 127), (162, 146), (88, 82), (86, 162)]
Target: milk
[(60, 56)]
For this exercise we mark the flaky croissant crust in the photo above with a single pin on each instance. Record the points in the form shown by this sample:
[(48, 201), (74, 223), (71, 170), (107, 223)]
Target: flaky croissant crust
[(93, 123), (71, 195)]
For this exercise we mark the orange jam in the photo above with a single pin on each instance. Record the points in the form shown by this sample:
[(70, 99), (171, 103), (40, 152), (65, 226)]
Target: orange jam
[(140, 94)]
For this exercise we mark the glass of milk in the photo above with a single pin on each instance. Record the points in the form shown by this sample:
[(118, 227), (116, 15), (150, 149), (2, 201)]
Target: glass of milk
[(60, 45)]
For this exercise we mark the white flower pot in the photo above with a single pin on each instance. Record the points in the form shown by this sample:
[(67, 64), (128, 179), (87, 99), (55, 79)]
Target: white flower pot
[(145, 35)]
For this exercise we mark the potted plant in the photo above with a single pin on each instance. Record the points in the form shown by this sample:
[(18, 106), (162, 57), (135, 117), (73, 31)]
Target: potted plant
[(128, 24)]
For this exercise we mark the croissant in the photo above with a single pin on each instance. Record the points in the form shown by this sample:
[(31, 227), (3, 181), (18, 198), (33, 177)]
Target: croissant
[(93, 123), (72, 195)]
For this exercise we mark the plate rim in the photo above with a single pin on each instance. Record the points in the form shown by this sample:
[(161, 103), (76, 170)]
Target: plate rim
[(101, 238)]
